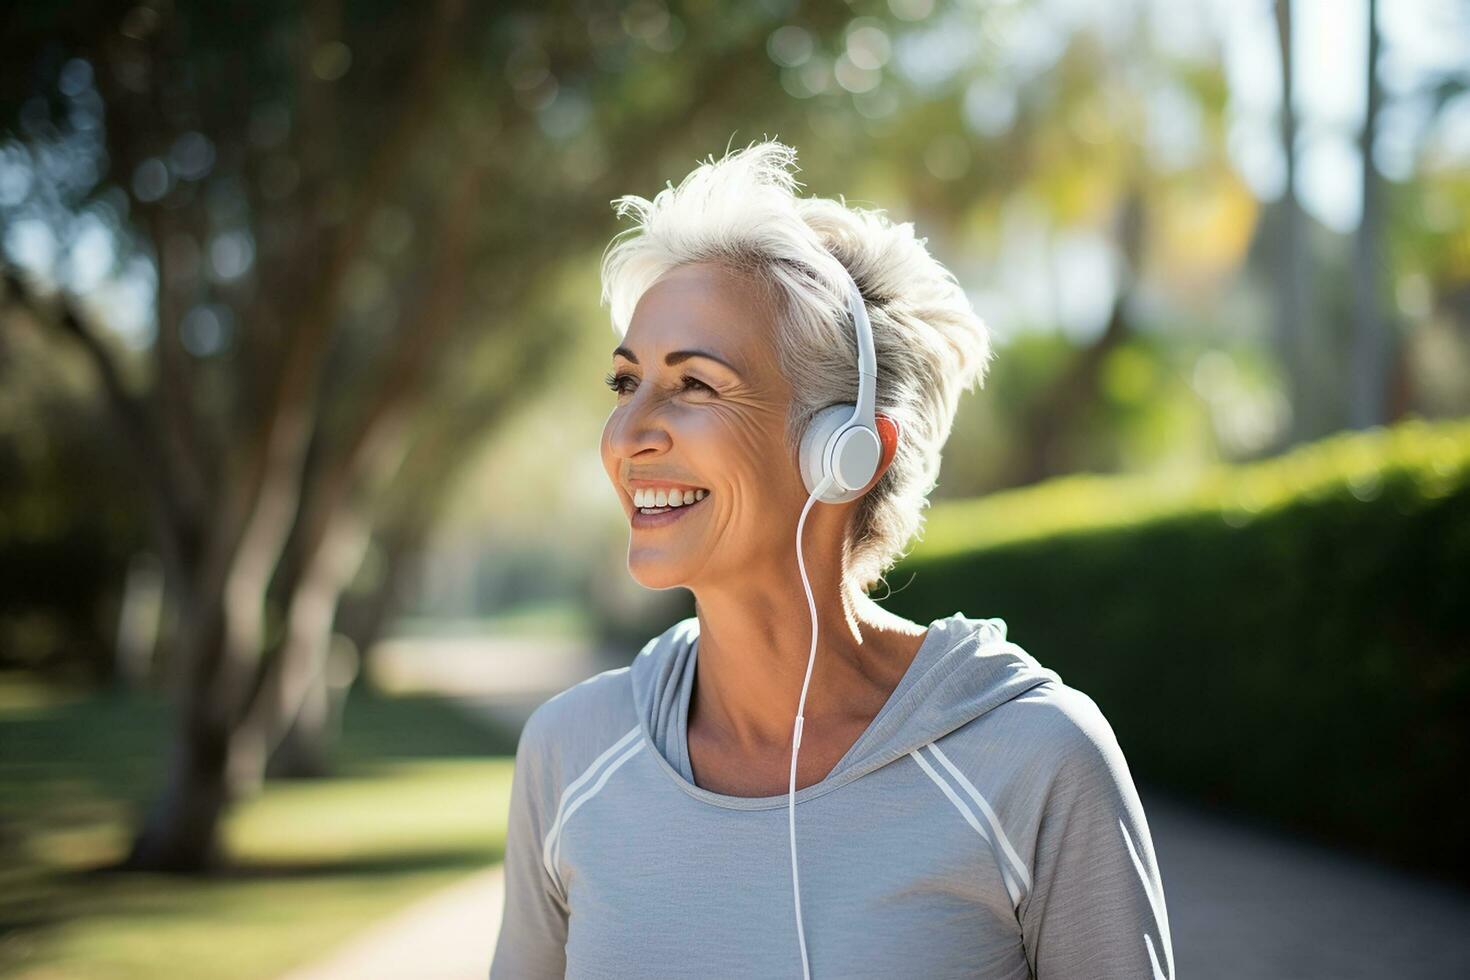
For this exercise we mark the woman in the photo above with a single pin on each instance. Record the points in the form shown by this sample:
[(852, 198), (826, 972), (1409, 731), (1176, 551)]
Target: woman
[(962, 812)]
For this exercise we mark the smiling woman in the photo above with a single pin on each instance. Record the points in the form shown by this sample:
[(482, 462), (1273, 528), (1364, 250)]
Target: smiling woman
[(963, 811)]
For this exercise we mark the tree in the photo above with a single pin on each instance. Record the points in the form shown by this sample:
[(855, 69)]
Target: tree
[(274, 164)]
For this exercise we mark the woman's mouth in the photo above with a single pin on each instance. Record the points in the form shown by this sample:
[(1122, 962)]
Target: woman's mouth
[(652, 515)]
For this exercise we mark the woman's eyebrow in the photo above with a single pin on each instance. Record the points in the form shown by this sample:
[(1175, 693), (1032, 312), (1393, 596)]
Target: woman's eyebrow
[(675, 357)]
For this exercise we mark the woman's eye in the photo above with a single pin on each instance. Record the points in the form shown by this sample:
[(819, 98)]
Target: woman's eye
[(619, 383), (693, 382)]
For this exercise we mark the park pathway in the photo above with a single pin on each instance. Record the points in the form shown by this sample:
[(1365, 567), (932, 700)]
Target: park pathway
[(1251, 904), (1244, 903), (448, 936)]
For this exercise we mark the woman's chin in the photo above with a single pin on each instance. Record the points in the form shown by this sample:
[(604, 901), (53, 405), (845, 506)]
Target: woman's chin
[(657, 572), (661, 584)]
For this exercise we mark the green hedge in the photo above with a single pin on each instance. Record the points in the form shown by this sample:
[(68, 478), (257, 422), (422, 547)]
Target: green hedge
[(1287, 640)]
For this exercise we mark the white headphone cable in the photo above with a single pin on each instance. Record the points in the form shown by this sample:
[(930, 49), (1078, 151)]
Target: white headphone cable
[(796, 735)]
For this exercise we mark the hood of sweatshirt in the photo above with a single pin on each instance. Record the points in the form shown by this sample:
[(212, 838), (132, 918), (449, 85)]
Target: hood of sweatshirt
[(964, 668)]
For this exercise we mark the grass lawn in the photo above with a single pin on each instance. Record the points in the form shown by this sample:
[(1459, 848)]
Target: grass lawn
[(419, 803)]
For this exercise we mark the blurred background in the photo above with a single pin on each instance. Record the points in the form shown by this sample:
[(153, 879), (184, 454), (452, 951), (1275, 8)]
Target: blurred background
[(301, 508)]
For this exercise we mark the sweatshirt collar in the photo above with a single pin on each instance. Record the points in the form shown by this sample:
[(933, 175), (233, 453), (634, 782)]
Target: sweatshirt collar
[(963, 669)]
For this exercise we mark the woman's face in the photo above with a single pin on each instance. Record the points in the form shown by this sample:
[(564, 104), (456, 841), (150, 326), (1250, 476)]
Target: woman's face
[(683, 419)]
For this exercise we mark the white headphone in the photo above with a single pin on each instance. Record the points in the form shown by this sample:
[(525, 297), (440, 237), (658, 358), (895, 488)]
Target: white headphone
[(840, 452), (841, 441)]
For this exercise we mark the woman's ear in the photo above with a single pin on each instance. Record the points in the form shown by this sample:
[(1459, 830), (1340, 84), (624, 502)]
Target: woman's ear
[(888, 435)]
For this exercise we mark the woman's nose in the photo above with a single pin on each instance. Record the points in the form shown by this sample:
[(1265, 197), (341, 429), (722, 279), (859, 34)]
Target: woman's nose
[(635, 428)]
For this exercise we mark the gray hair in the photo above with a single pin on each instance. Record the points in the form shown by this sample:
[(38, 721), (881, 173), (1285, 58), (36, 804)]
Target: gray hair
[(743, 212)]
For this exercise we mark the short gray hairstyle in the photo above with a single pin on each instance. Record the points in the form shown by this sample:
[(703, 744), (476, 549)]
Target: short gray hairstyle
[(743, 212)]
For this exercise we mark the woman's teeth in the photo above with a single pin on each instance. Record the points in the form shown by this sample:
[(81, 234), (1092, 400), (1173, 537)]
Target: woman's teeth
[(666, 498)]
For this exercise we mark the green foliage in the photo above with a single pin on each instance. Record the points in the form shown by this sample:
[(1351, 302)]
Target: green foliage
[(1284, 639), (1433, 455), (69, 518)]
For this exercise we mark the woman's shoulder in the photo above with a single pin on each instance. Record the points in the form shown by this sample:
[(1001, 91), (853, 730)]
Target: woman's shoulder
[(582, 720), (1060, 715), (1053, 727)]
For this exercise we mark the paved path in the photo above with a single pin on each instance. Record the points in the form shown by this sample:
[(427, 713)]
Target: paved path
[(1243, 904), (1250, 905), (444, 937)]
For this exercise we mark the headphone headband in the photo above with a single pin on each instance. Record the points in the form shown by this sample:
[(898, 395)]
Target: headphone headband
[(841, 445), (867, 360)]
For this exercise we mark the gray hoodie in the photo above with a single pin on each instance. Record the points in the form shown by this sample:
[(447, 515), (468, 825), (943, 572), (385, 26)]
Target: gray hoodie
[(985, 825)]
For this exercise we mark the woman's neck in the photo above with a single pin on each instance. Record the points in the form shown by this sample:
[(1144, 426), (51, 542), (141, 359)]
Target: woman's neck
[(753, 653)]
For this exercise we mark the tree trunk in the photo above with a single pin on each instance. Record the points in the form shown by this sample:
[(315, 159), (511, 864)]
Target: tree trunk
[(1370, 363), (1060, 409), (296, 679), (1293, 321), (1400, 393), (335, 522), (363, 619), (181, 833), (305, 751)]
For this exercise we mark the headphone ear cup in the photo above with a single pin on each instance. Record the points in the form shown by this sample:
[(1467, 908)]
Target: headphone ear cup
[(814, 439), (857, 453)]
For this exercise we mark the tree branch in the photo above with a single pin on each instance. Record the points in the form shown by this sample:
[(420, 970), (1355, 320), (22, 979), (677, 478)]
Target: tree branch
[(281, 436)]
